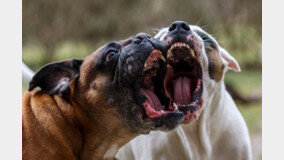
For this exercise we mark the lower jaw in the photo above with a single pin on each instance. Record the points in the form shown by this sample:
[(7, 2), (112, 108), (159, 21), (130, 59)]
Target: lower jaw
[(190, 117)]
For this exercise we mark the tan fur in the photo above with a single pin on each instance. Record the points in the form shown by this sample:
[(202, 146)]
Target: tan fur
[(215, 64), (84, 127)]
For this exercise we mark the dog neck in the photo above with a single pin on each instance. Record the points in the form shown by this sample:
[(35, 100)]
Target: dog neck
[(103, 131), (205, 123)]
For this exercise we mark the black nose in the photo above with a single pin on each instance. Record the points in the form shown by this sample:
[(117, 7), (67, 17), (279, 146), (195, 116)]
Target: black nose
[(179, 26)]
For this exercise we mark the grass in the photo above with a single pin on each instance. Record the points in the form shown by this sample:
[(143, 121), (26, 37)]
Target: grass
[(253, 116), (248, 83)]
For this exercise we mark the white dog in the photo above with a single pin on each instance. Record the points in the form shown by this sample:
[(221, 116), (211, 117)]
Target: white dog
[(213, 127), (27, 74)]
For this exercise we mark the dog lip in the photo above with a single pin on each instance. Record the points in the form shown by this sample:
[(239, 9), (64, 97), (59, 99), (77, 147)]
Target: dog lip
[(179, 45)]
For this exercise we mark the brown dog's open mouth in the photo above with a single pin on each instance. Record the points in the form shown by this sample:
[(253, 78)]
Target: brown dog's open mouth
[(183, 82), (152, 78), (180, 82), (156, 103)]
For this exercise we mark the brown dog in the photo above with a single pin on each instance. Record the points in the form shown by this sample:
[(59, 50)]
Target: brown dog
[(88, 109)]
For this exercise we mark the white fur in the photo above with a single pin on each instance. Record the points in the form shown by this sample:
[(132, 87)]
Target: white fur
[(111, 152), (27, 74), (220, 133)]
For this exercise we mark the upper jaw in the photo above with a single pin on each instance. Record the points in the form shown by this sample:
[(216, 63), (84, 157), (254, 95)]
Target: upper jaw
[(189, 41), (182, 48)]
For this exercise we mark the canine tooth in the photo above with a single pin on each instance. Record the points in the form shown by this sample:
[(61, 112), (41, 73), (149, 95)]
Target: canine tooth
[(187, 45), (169, 53), (192, 52), (163, 58), (162, 111), (175, 106), (145, 65)]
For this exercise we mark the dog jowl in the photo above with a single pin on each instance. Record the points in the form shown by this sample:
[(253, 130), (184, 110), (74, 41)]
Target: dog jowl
[(98, 103)]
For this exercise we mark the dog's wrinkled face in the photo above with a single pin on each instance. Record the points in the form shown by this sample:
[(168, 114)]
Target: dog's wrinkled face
[(122, 78), (195, 65), (141, 70)]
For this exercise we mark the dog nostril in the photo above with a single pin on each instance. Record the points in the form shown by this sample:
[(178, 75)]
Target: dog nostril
[(185, 27), (172, 27), (179, 26)]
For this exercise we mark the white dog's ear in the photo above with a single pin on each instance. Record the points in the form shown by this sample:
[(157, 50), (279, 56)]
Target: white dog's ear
[(229, 60)]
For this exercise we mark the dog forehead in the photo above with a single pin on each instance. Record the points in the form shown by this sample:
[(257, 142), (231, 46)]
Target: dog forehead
[(92, 58)]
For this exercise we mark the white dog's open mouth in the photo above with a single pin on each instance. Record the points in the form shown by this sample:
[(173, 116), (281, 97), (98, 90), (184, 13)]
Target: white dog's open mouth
[(183, 82)]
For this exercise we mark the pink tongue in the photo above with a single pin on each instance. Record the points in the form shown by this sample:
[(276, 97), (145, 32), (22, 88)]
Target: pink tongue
[(182, 93), (153, 99)]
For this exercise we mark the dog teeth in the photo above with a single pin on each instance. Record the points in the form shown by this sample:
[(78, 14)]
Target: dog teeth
[(175, 106), (163, 58), (192, 52), (162, 111), (179, 45), (169, 53), (145, 65)]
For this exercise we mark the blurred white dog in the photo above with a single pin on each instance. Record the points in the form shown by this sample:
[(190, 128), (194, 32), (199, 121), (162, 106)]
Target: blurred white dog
[(27, 74), (213, 127)]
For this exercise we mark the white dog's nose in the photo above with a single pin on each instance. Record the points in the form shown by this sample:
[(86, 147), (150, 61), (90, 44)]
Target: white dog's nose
[(179, 26)]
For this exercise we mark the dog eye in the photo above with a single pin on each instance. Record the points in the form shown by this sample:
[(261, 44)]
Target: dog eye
[(110, 54)]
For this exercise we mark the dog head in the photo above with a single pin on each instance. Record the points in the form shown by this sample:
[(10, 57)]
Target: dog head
[(116, 80), (196, 65)]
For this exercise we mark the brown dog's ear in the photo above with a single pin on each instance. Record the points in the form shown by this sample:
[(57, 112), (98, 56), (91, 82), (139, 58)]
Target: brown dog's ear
[(54, 78)]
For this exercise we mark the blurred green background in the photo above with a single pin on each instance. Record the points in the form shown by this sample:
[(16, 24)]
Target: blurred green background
[(57, 30)]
